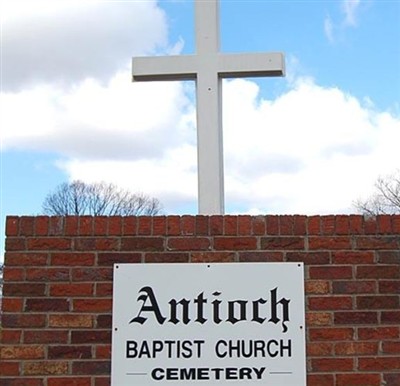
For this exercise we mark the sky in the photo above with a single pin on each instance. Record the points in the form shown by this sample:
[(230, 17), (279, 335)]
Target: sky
[(311, 142)]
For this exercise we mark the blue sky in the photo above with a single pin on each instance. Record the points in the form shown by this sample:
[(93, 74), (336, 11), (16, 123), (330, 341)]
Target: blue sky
[(312, 142)]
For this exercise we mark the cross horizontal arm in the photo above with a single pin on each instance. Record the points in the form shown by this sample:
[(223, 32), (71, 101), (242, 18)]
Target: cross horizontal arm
[(172, 67), (251, 65)]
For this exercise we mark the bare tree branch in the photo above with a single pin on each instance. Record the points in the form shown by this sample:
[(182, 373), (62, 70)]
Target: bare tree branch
[(98, 199), (386, 199)]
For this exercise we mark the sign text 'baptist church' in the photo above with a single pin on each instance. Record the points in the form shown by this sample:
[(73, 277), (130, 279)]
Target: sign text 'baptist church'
[(211, 324)]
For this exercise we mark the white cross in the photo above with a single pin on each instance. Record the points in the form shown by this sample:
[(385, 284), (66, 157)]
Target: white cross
[(207, 67)]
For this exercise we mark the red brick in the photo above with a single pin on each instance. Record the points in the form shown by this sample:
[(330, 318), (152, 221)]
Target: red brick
[(92, 274), (24, 289), (331, 334), (173, 226), (13, 274), (309, 258), (103, 352), (319, 318), (142, 244), (188, 226), (96, 244), (390, 317), (26, 226), (201, 223), (300, 225), (160, 225), (9, 369), (328, 225), (358, 380), (47, 305), (342, 225), (93, 336), (74, 259), (188, 244), (384, 224), (235, 243), (49, 243), (104, 289), (329, 243), (265, 256), (129, 226), (356, 317), (71, 289), (391, 347), (91, 368), (314, 225), (104, 321), (144, 226), (332, 364), (377, 302), (56, 225), (389, 287), (100, 226), (70, 352), (272, 225), (320, 380), (12, 304), (23, 381), (41, 226), (320, 349), (353, 257), (45, 368), (69, 381), (258, 225), (10, 336), (92, 305), (216, 225), (330, 303), (15, 244), (212, 257), (356, 348), (317, 287), (378, 333), (389, 257), (376, 243), (370, 225), (356, 224), (379, 364), (46, 336), (110, 258), (230, 225), (167, 257), (378, 272), (25, 259), (86, 225), (284, 242), (12, 226), (71, 226), (48, 274), (23, 320), (102, 381), (354, 287), (392, 379), (286, 225), (331, 272), (71, 321), (114, 226), (244, 225), (22, 352)]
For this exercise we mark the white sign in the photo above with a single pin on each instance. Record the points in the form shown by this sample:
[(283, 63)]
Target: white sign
[(208, 324)]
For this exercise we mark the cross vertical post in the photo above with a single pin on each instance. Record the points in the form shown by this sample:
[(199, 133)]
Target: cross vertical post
[(208, 67)]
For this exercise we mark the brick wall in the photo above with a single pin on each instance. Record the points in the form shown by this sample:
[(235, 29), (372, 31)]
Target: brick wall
[(56, 322)]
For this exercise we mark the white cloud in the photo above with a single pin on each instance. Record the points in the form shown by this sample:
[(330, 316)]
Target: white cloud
[(65, 42), (350, 10), (311, 150)]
